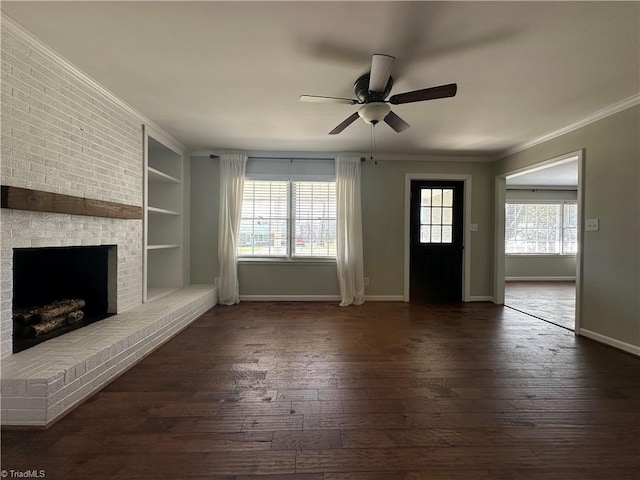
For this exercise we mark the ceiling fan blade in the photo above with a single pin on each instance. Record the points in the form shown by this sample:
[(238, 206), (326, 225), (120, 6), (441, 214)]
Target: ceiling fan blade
[(395, 122), (432, 93), (380, 72), (344, 124), (317, 99)]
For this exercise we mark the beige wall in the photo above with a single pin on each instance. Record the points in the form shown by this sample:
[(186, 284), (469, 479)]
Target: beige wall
[(204, 205), (383, 222), (383, 231), (611, 271), (539, 266)]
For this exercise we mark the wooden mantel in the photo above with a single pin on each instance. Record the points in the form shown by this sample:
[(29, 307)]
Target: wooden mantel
[(39, 201)]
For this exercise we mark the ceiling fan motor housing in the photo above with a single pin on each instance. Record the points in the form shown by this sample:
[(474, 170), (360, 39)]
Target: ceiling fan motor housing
[(364, 95)]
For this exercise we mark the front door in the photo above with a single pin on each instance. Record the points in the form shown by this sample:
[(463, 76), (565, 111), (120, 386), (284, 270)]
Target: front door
[(436, 241)]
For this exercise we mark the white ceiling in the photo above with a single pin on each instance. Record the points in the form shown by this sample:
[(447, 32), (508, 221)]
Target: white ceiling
[(227, 75)]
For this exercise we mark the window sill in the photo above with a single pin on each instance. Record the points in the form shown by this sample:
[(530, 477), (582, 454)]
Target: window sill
[(541, 255), (286, 261)]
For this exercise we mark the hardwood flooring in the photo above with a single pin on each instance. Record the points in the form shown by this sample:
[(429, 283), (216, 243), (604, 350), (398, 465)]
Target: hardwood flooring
[(553, 302), (384, 391)]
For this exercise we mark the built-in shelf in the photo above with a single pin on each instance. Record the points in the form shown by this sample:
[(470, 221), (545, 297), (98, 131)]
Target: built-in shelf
[(164, 222), (162, 211), (161, 177), (161, 247)]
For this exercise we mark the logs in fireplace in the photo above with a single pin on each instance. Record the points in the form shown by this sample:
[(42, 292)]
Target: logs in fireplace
[(35, 321), (60, 289)]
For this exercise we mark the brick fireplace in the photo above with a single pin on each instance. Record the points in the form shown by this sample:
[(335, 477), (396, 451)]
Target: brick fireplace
[(65, 135), (22, 230)]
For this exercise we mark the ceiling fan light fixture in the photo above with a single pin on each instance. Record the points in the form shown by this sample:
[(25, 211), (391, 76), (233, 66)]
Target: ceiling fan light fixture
[(374, 112)]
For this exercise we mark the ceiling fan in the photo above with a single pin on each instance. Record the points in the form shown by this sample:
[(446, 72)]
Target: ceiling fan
[(372, 89)]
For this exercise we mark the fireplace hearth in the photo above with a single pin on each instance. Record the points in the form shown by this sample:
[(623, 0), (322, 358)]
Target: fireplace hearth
[(60, 289)]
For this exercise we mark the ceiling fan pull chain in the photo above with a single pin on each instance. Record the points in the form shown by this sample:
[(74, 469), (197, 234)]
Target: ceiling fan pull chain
[(374, 155), (371, 142)]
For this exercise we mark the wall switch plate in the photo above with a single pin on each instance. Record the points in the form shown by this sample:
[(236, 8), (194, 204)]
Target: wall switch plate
[(474, 227), (592, 225)]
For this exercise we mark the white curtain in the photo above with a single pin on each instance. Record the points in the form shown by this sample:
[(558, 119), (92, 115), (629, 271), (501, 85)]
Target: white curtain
[(349, 230), (232, 170)]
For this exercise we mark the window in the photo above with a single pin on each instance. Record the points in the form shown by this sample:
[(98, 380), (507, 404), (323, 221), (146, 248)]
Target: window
[(436, 215), (541, 228), (288, 218)]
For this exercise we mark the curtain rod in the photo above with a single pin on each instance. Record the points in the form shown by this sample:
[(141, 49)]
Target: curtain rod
[(362, 159)]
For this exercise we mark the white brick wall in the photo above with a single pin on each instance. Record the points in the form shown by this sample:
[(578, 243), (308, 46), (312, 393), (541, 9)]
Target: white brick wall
[(61, 134)]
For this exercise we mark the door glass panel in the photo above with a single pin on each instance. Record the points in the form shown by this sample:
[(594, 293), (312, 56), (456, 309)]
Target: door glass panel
[(425, 234), (447, 216), (425, 216), (436, 197), (447, 234), (447, 197), (436, 234), (436, 215)]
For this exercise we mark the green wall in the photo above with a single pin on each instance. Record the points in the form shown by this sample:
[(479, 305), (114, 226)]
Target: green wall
[(383, 232), (611, 267)]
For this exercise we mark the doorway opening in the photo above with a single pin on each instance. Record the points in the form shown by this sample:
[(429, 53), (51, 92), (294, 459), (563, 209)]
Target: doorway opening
[(538, 238)]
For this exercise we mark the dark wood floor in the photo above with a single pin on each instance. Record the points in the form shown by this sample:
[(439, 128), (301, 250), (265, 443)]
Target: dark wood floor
[(553, 302), (385, 391)]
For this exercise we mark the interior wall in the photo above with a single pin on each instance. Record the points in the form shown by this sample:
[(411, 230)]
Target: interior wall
[(383, 232), (540, 267), (204, 207), (611, 264)]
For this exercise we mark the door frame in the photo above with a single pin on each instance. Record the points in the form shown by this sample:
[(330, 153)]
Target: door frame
[(499, 257), (466, 239)]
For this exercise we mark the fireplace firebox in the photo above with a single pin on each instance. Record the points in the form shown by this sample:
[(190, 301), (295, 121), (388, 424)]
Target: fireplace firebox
[(60, 289)]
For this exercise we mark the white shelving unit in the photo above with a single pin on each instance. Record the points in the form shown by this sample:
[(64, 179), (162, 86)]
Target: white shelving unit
[(164, 216)]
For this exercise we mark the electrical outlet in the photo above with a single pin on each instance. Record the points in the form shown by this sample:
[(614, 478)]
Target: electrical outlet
[(592, 225), (216, 281), (366, 281), (474, 227)]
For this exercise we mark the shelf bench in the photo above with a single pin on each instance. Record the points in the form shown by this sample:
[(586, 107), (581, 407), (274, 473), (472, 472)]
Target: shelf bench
[(43, 383)]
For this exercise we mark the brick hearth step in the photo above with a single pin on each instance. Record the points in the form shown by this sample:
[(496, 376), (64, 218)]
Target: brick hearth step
[(43, 383)]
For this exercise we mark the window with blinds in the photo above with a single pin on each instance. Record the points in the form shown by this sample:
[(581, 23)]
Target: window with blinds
[(541, 228), (264, 217), (288, 218), (315, 219)]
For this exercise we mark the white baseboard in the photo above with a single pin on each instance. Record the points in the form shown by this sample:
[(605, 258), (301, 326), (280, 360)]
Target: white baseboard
[(481, 298), (336, 298), (384, 298), (315, 298), (289, 298), (540, 279), (612, 342)]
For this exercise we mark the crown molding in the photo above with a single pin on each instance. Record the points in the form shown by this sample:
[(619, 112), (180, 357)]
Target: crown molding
[(427, 157), (13, 28), (594, 117), (366, 155)]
